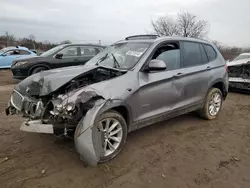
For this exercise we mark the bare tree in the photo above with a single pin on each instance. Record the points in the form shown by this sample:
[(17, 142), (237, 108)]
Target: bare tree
[(32, 37), (66, 42), (186, 25), (165, 26), (10, 39), (190, 26)]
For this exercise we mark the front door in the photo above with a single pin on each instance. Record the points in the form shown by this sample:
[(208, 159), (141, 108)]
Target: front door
[(158, 93)]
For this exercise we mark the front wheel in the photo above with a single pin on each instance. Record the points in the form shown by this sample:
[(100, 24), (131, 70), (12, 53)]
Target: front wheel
[(114, 129), (38, 69), (212, 105)]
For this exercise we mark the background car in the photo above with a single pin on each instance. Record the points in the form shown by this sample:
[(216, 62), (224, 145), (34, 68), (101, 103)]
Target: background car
[(239, 72), (9, 54), (60, 56)]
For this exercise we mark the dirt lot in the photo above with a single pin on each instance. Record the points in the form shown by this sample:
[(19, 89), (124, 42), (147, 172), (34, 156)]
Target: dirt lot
[(185, 152)]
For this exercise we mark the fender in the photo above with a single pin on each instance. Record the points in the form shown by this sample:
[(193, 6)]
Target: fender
[(224, 89)]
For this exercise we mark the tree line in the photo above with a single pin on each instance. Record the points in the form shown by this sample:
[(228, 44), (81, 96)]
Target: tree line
[(30, 42)]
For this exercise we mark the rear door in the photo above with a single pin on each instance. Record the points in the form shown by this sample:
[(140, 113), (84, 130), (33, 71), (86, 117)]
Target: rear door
[(69, 58), (87, 53), (193, 77)]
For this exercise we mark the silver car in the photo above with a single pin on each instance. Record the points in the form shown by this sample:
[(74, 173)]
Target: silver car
[(131, 84), (239, 72)]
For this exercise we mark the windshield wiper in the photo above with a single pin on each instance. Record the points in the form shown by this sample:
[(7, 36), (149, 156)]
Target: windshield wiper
[(116, 64), (102, 59)]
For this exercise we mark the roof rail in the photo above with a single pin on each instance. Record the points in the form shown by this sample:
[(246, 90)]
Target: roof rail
[(135, 37)]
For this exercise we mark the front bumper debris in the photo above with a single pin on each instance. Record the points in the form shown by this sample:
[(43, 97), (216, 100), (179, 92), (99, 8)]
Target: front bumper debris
[(36, 126), (239, 83)]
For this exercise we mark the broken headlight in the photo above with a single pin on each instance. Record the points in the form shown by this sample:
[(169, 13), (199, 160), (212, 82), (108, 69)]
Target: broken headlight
[(70, 107), (65, 107)]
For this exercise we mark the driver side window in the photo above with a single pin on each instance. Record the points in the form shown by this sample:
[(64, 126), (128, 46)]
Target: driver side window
[(169, 54)]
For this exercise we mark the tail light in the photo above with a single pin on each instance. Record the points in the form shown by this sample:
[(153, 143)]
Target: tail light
[(226, 67)]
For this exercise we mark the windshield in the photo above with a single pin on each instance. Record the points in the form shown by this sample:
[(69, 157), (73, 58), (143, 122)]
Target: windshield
[(51, 51), (3, 50), (240, 57), (123, 55)]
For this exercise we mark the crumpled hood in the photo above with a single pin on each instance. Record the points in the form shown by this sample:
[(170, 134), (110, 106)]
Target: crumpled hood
[(239, 62), (48, 81)]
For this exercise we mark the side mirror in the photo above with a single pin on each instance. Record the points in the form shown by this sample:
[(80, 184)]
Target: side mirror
[(156, 65), (59, 56), (3, 55)]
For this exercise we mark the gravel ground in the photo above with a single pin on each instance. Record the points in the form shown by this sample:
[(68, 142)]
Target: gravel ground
[(184, 152)]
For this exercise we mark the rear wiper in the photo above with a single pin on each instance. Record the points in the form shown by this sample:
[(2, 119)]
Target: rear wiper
[(102, 59), (116, 64)]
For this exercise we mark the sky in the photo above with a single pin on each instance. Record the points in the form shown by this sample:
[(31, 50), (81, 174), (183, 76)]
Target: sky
[(111, 20)]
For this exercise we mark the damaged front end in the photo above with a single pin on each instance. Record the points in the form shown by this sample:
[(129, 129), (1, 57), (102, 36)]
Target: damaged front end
[(71, 109), (51, 108), (239, 76)]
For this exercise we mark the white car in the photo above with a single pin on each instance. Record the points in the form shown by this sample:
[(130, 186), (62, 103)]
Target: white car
[(239, 72)]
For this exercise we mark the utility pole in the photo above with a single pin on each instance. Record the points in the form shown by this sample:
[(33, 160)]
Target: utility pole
[(7, 38)]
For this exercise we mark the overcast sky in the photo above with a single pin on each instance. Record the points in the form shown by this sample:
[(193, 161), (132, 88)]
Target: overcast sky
[(111, 20)]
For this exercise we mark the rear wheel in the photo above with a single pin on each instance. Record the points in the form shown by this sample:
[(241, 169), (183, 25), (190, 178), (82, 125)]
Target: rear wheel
[(213, 104), (38, 69), (114, 129)]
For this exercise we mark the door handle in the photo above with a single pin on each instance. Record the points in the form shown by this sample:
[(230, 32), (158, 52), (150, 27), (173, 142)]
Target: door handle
[(179, 74)]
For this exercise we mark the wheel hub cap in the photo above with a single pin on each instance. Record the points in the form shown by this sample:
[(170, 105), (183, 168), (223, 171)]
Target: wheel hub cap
[(214, 104), (112, 135)]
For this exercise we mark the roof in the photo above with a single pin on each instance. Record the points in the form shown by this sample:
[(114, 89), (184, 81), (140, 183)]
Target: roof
[(77, 44), (16, 48), (164, 38)]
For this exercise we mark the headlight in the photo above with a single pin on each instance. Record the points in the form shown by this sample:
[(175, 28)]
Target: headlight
[(59, 107), (20, 63), (70, 107)]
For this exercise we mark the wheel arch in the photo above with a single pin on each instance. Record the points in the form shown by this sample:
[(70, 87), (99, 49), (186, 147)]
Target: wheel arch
[(121, 107), (38, 65), (219, 84)]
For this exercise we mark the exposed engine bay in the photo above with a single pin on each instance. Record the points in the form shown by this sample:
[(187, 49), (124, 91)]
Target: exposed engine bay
[(64, 107), (239, 76)]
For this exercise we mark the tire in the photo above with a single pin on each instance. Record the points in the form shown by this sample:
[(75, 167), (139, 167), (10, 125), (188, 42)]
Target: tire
[(111, 114), (205, 112), (38, 69)]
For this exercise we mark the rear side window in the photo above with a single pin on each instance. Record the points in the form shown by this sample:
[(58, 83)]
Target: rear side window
[(23, 52), (203, 55), (191, 54), (211, 54), (88, 51)]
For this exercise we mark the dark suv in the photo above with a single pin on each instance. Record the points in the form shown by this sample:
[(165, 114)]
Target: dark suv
[(131, 84), (60, 56)]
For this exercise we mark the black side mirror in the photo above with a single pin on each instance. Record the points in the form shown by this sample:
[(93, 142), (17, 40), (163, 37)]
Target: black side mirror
[(156, 65), (59, 56)]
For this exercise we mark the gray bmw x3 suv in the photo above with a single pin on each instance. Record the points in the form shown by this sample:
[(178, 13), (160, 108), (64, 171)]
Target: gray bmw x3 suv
[(133, 83)]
